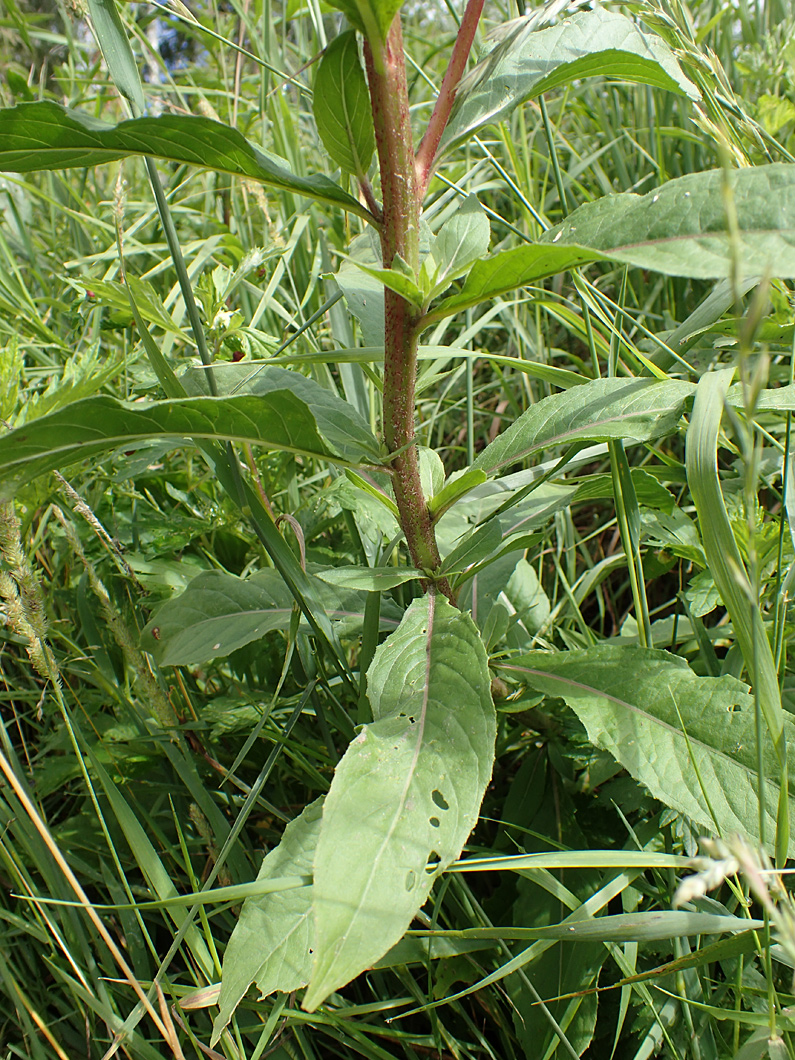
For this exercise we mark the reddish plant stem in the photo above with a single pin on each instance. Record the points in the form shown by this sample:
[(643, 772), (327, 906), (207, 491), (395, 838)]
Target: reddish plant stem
[(400, 235), (426, 153)]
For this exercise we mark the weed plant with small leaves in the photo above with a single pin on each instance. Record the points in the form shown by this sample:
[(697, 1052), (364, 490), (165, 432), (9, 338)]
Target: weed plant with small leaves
[(418, 591)]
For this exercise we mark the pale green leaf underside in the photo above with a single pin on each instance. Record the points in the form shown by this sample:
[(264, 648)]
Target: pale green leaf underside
[(528, 62), (621, 927), (45, 135), (406, 794), (341, 104), (690, 740), (461, 241), (219, 613), (680, 229), (271, 944)]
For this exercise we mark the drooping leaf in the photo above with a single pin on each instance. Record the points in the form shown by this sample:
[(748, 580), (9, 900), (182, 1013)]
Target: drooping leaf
[(45, 135), (339, 424), (271, 944), (681, 229), (407, 792), (691, 740), (633, 409), (528, 62), (219, 613), (148, 302), (87, 428), (341, 104)]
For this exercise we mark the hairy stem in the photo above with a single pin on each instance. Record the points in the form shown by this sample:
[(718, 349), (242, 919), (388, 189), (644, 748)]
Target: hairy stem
[(400, 236), (426, 153)]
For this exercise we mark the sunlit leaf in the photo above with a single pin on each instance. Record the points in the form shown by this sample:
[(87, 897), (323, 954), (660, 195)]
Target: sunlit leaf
[(691, 740), (407, 792)]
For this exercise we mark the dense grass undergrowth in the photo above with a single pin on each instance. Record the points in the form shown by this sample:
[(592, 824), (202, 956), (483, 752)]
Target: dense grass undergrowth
[(396, 541)]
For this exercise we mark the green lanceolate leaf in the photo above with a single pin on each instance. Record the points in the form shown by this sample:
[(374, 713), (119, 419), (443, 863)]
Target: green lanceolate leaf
[(278, 420), (529, 61), (691, 740), (461, 241), (341, 104), (37, 136), (399, 282), (406, 794), (509, 270), (681, 229), (633, 409), (271, 945)]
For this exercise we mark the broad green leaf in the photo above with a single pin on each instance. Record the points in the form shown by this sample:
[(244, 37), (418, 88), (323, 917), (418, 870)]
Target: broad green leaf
[(341, 104), (344, 430), (87, 428), (219, 612), (633, 409), (407, 792), (272, 941), (371, 17), (45, 135), (680, 228), (461, 241), (510, 269), (527, 596), (648, 490), (528, 62), (368, 579), (691, 740)]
